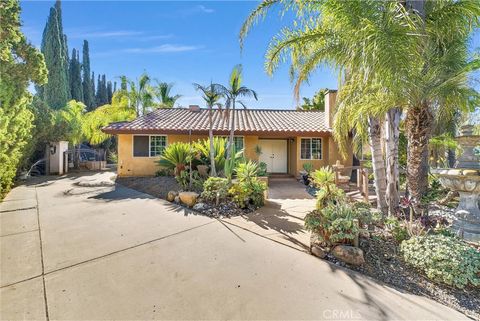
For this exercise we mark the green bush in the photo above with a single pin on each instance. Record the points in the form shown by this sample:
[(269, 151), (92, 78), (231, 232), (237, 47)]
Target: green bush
[(262, 169), (246, 171), (398, 230), (252, 192), (183, 179), (334, 223), (176, 156), (213, 187), (443, 259)]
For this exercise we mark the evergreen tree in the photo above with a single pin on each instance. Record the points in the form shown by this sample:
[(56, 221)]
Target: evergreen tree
[(109, 92), (92, 82), (104, 92), (98, 95), (88, 90), (57, 91), (76, 89), (114, 86), (20, 65)]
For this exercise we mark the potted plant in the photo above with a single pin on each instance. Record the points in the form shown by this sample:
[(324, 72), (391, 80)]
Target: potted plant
[(307, 169)]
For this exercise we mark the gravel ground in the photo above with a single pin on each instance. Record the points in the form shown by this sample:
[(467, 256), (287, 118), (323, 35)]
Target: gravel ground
[(383, 262), (155, 186)]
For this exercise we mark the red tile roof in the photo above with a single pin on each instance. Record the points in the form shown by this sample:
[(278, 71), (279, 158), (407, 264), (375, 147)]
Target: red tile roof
[(250, 121)]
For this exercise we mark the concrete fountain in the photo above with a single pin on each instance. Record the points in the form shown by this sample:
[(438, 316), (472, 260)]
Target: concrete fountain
[(465, 178)]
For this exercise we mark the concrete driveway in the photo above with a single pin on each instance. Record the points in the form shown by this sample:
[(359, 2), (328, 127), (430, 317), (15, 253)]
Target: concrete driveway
[(79, 253)]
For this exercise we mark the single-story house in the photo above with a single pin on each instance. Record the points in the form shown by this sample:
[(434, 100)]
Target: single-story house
[(286, 138)]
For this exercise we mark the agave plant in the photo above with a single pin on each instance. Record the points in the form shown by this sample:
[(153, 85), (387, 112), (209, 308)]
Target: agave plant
[(219, 147), (176, 156)]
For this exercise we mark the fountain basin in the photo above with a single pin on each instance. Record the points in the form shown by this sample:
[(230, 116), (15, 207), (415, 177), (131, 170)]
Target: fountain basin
[(467, 183)]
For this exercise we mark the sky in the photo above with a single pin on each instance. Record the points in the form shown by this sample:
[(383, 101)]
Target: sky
[(182, 42)]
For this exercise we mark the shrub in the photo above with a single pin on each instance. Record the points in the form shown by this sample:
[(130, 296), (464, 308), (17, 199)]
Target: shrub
[(443, 259), (176, 156), (308, 167), (183, 180), (213, 187), (398, 230), (262, 169), (219, 144), (163, 172), (247, 171), (244, 193), (334, 223)]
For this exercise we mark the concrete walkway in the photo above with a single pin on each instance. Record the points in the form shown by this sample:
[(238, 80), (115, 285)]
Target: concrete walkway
[(96, 253)]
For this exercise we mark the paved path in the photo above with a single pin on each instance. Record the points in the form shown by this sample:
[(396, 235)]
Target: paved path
[(79, 253)]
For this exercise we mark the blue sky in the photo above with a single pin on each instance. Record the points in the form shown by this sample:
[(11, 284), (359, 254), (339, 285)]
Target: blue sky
[(177, 41)]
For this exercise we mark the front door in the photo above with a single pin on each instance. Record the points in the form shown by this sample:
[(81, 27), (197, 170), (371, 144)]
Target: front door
[(274, 154)]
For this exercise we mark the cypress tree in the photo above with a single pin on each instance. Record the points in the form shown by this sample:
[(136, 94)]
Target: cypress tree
[(88, 90), (92, 82), (98, 95), (104, 92), (114, 86), (57, 91), (76, 89), (109, 92)]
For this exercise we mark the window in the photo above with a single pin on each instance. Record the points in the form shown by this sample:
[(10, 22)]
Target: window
[(148, 146), (157, 145), (238, 141), (311, 148)]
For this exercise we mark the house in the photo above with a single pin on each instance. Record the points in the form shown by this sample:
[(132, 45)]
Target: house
[(286, 139)]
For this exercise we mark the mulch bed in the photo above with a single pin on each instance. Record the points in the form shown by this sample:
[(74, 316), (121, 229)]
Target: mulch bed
[(157, 186), (383, 262)]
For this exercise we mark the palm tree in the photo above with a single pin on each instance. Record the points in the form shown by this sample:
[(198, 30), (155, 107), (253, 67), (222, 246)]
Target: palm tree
[(162, 92), (140, 94), (415, 55), (212, 95), (232, 91)]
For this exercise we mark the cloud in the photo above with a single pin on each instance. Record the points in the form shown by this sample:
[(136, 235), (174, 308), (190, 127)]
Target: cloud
[(165, 48), (103, 34), (205, 9)]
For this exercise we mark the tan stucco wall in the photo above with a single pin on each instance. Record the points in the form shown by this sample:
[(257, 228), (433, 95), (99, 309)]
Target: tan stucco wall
[(147, 166)]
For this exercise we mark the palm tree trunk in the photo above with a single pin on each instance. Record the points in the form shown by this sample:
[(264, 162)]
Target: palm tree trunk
[(378, 164), (213, 171), (392, 136), (418, 126), (232, 133)]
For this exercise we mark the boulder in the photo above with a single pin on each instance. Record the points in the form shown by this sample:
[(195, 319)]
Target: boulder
[(171, 196), (177, 199), (188, 198), (200, 207), (349, 254), (318, 251)]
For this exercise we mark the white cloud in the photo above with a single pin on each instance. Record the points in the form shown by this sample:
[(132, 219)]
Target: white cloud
[(162, 49), (103, 34), (205, 9)]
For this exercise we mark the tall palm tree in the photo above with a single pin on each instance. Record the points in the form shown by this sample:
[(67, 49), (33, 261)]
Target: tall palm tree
[(416, 55), (232, 92), (140, 94), (212, 95), (162, 92)]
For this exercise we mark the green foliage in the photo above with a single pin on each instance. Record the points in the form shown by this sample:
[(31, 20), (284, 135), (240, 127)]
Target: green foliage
[(20, 64), (75, 74), (203, 147), (444, 259), (334, 223), (328, 192), (262, 169), (187, 183), (71, 118), (247, 171), (244, 193), (435, 191), (398, 230), (317, 102), (162, 92), (56, 92), (94, 121), (88, 91), (113, 158), (307, 167), (176, 156), (215, 187)]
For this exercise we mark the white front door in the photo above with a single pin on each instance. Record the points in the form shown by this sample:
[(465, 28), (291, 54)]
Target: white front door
[(274, 154)]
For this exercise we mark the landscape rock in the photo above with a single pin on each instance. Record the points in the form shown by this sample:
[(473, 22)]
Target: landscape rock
[(171, 196), (177, 199), (349, 254), (188, 198), (200, 207), (318, 251)]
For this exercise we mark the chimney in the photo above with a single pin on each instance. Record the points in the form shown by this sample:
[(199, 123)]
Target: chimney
[(330, 98), (194, 108)]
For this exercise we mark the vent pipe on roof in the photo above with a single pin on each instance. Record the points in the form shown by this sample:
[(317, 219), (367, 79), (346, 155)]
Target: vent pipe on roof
[(194, 108)]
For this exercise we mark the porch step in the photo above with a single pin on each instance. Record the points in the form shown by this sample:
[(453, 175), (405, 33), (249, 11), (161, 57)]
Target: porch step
[(279, 175)]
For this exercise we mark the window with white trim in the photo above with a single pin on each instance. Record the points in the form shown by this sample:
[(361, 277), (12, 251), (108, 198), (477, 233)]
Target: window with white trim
[(237, 142), (148, 146), (311, 148)]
